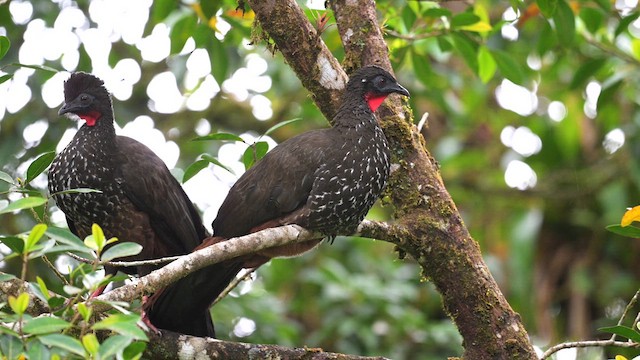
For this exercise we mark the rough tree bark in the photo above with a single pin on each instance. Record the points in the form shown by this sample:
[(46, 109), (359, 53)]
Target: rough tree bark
[(436, 236)]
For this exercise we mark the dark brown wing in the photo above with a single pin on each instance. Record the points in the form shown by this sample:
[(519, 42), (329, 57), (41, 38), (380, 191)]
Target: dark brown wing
[(276, 186), (153, 190)]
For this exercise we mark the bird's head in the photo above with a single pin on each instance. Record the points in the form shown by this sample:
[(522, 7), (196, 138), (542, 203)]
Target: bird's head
[(85, 97), (375, 84)]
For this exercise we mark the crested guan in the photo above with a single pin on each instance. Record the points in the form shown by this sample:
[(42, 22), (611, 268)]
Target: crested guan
[(140, 201), (323, 180)]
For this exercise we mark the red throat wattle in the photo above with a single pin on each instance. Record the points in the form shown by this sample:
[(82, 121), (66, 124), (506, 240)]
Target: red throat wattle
[(91, 117), (374, 100)]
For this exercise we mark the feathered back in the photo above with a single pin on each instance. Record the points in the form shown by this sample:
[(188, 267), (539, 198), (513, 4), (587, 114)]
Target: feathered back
[(81, 82)]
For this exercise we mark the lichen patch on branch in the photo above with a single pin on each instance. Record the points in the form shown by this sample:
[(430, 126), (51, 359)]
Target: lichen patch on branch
[(329, 77)]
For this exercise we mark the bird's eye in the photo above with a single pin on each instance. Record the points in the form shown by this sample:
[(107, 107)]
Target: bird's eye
[(84, 97), (380, 81)]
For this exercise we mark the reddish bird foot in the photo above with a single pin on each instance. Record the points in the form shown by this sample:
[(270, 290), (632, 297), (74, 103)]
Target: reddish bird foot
[(145, 319)]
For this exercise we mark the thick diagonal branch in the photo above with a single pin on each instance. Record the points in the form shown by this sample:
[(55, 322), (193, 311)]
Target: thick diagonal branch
[(436, 236)]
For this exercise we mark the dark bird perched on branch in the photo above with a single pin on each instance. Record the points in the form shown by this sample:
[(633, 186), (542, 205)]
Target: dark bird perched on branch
[(140, 201), (323, 180)]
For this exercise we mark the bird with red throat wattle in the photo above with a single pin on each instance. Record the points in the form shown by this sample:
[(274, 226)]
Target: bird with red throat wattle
[(323, 180), (138, 199)]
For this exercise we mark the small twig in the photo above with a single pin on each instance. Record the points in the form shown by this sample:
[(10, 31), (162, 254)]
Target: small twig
[(55, 270), (631, 303), (158, 261), (589, 343), (236, 281), (414, 37)]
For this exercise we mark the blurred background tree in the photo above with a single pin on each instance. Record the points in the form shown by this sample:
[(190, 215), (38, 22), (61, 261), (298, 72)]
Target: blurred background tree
[(532, 114)]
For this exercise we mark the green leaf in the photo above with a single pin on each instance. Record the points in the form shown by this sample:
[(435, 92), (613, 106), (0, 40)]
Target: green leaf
[(68, 239), (625, 22), (65, 342), (464, 19), (281, 124), (24, 203), (91, 344), (39, 165), (215, 161), (219, 60), (408, 17), (608, 93), (6, 277), (45, 325), (210, 8), (628, 231), (437, 12), (546, 39), (5, 78), (135, 350), (422, 68), (547, 7), (592, 18), (193, 169), (467, 49), (585, 71), (84, 311), (124, 324), (623, 331), (254, 153), (219, 136), (14, 243), (114, 345), (181, 31), (509, 68), (162, 9), (43, 288), (6, 178), (121, 250), (35, 235), (486, 65), (19, 304), (37, 67), (5, 44), (565, 23)]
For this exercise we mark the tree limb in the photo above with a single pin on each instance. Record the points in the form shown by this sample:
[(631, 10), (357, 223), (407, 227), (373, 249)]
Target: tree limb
[(433, 231)]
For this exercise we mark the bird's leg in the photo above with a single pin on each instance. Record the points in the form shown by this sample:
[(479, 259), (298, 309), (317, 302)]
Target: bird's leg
[(145, 319)]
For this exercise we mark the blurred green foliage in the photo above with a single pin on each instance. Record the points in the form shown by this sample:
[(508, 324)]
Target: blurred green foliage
[(546, 244)]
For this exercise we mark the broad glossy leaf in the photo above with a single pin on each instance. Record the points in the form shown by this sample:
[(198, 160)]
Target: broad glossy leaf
[(65, 342), (509, 68), (35, 235), (623, 25), (114, 345), (24, 203), (134, 350), (565, 23), (219, 60), (623, 331), (479, 27), (121, 250), (467, 49), (437, 12), (585, 71), (19, 304), (628, 231), (219, 136), (592, 18), (14, 243), (193, 170), (281, 124), (5, 44), (6, 277), (43, 288), (408, 17), (210, 7), (162, 8), (91, 344), (181, 31), (422, 68), (39, 165), (45, 325), (68, 239), (5, 78)]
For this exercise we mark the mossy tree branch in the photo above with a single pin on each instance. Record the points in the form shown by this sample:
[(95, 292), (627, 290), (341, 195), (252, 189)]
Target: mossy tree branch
[(435, 234)]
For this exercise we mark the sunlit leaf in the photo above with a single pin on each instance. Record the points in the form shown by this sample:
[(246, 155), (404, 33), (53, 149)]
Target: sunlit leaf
[(480, 26), (565, 23), (181, 31), (125, 324), (5, 44), (39, 165), (24, 203), (623, 331), (628, 231), (281, 124), (219, 136), (65, 342), (45, 325), (85, 311), (68, 239), (5, 78), (121, 250), (91, 344), (486, 65), (19, 304), (43, 288), (35, 235), (254, 153)]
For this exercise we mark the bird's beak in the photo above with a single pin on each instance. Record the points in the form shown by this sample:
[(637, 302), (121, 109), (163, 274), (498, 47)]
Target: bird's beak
[(73, 106), (400, 90), (65, 109)]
